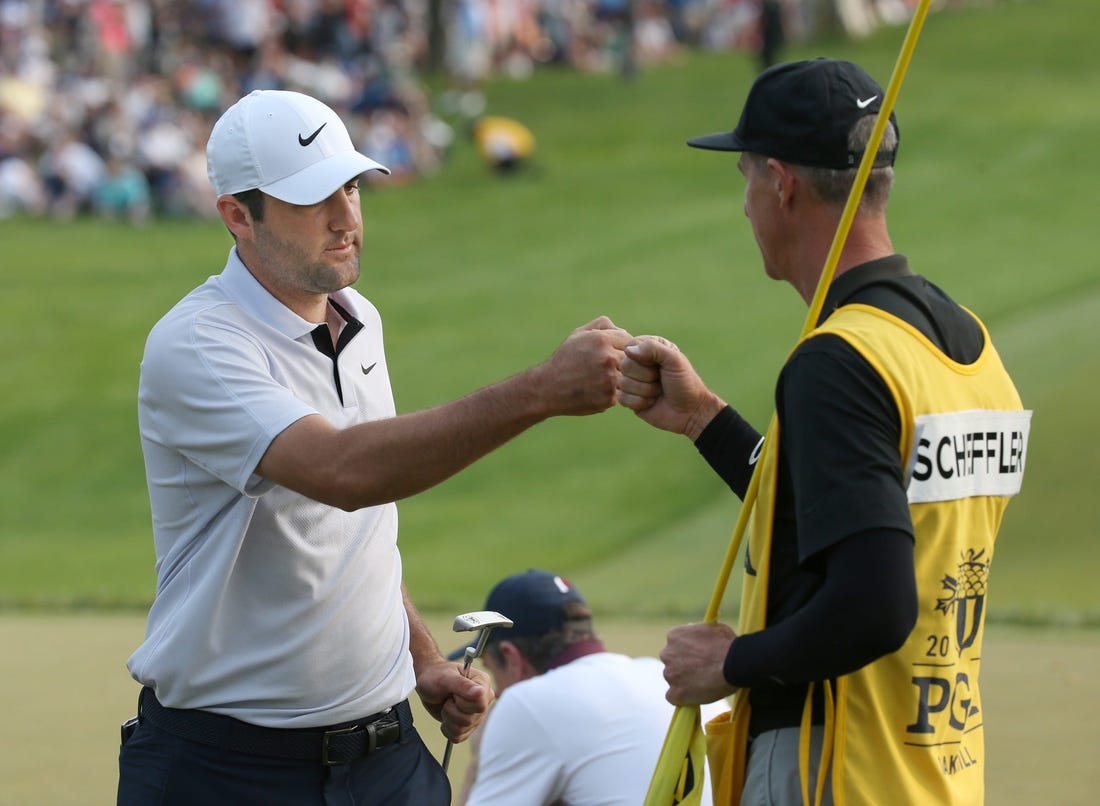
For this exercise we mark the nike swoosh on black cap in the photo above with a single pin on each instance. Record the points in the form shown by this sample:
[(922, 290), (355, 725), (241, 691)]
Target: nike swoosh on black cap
[(802, 112)]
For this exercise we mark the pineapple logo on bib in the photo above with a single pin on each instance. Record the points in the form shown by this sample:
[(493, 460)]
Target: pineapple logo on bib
[(966, 596)]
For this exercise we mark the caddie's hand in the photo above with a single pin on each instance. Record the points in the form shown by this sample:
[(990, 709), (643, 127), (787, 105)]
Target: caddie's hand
[(658, 382), (458, 702), (693, 658), (582, 376)]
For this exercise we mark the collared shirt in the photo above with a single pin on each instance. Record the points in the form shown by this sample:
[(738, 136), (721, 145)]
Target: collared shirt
[(270, 607), (585, 733)]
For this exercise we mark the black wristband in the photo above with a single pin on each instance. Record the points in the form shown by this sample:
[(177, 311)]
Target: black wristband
[(727, 666), (729, 444)]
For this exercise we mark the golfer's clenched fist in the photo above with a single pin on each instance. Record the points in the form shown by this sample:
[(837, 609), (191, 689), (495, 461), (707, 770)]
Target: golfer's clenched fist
[(582, 376), (457, 701)]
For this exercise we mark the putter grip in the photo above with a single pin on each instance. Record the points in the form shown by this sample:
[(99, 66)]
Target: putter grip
[(471, 653)]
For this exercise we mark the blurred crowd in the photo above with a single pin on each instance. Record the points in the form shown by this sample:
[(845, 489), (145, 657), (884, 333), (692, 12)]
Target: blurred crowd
[(106, 105)]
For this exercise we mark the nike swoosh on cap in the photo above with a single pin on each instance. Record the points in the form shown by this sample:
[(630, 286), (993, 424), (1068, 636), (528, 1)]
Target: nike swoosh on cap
[(859, 102), (305, 141)]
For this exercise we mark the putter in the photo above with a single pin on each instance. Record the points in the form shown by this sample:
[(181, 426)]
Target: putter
[(485, 621)]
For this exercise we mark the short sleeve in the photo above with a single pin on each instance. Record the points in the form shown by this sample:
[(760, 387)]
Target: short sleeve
[(207, 392)]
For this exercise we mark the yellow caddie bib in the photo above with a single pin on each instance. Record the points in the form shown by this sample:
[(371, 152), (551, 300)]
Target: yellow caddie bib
[(907, 728)]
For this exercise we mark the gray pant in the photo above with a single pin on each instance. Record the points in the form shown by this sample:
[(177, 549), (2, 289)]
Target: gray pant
[(772, 776)]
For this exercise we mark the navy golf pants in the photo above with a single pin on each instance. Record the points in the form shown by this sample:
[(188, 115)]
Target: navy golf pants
[(156, 767)]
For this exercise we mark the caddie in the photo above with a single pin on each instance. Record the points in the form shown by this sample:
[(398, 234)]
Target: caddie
[(898, 441)]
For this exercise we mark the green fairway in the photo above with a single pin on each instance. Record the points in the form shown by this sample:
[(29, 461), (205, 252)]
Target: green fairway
[(478, 277), (66, 691)]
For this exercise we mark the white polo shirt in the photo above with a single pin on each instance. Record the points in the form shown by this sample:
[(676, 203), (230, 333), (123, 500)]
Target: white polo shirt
[(587, 733), (270, 607)]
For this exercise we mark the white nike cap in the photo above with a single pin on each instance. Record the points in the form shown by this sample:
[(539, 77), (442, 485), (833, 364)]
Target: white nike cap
[(287, 144)]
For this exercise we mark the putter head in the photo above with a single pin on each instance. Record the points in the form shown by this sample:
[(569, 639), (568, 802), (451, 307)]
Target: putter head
[(480, 620)]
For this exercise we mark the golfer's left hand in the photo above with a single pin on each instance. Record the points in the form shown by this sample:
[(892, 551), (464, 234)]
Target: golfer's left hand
[(459, 703), (693, 659)]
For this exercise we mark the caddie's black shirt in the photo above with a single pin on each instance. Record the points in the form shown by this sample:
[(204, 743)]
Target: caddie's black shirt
[(839, 471)]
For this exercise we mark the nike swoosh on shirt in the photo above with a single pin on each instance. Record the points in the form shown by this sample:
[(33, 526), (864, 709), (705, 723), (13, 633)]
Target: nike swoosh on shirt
[(366, 370), (305, 141), (864, 104)]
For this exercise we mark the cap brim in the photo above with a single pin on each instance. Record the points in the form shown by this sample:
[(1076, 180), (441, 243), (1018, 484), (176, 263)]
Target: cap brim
[(320, 180), (722, 141)]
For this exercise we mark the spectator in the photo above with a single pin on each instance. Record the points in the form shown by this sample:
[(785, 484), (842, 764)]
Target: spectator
[(72, 171), (21, 189), (771, 32), (122, 192), (573, 722), (506, 145), (122, 76)]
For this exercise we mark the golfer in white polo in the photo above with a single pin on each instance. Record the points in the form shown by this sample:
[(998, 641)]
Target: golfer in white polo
[(281, 646)]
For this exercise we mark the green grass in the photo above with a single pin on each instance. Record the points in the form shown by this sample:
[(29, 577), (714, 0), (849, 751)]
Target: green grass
[(1039, 749), (478, 278)]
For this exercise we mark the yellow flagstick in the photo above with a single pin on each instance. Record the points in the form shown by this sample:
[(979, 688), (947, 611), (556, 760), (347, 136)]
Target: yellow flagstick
[(685, 719), (856, 193)]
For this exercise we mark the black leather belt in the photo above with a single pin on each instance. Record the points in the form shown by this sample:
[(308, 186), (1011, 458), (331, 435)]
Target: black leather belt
[(337, 744)]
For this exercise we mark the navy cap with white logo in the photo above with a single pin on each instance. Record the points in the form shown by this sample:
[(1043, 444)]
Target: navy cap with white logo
[(535, 602), (802, 113)]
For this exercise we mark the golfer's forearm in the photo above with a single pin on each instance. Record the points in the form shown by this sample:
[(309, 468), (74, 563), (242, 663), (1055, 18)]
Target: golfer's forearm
[(729, 444), (388, 460), (422, 645)]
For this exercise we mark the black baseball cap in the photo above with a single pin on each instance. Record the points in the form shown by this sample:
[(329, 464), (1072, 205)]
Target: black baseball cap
[(535, 602), (801, 112)]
